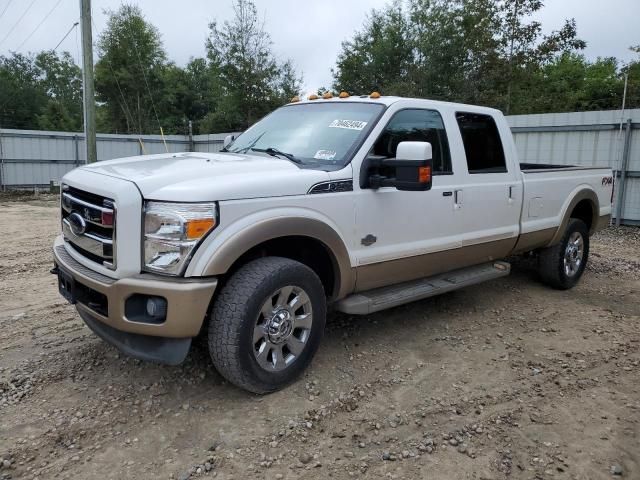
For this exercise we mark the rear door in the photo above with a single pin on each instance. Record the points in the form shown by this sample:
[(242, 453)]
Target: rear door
[(489, 197)]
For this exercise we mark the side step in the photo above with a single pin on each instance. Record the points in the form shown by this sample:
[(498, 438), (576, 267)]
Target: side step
[(363, 303)]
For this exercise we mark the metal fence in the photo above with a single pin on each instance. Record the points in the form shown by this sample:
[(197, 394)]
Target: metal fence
[(602, 138), (30, 158), (607, 138)]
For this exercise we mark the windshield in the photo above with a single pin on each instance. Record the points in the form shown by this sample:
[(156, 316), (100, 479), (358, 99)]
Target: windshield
[(319, 134)]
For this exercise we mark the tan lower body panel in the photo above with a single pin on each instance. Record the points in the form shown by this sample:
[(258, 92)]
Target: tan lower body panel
[(421, 266), (187, 301), (532, 240)]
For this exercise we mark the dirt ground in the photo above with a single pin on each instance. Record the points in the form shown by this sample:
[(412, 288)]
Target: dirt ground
[(507, 379)]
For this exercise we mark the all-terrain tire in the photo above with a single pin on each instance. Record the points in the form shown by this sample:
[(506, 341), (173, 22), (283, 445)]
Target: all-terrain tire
[(551, 261), (238, 307)]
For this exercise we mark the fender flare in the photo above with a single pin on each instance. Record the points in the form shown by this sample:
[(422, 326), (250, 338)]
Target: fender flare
[(244, 240), (584, 194)]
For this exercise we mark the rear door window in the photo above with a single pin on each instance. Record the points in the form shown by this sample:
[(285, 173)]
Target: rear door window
[(482, 144)]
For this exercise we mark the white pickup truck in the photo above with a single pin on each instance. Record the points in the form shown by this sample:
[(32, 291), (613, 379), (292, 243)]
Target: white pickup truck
[(354, 203)]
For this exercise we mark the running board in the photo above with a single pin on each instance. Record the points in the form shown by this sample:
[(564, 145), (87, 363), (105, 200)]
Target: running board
[(363, 303)]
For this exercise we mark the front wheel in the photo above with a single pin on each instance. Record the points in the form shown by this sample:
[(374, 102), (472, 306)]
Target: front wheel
[(267, 324), (562, 265)]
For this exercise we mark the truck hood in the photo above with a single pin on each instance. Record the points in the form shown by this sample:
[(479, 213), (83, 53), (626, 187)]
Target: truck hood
[(210, 176)]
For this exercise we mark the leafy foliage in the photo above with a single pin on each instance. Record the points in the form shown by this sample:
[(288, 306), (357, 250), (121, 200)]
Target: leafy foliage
[(130, 71), (250, 80), (41, 92), (486, 52)]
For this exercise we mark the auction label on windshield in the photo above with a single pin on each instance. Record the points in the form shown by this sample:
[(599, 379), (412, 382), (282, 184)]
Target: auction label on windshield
[(348, 124), (325, 155)]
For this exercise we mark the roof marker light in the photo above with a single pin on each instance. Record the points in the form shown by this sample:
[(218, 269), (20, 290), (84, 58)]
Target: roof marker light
[(375, 95), (343, 95), (295, 99), (313, 97), (327, 95)]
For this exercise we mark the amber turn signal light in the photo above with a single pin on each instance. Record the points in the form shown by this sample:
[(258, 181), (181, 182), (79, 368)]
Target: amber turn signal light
[(424, 174), (195, 229)]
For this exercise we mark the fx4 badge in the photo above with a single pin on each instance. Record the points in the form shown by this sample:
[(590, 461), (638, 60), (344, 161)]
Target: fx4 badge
[(607, 181)]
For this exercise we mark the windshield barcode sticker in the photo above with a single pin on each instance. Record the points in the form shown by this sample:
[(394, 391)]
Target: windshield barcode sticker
[(325, 155), (348, 124)]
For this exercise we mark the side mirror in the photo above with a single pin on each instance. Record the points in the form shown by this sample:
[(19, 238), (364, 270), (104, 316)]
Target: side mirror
[(228, 140), (410, 171)]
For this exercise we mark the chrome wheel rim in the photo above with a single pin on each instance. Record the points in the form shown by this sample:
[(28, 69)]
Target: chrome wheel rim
[(282, 329), (573, 254)]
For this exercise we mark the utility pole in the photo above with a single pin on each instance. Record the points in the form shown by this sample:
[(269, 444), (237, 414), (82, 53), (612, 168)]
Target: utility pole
[(87, 81)]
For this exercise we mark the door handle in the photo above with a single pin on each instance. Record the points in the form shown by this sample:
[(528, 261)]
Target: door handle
[(511, 187), (457, 199)]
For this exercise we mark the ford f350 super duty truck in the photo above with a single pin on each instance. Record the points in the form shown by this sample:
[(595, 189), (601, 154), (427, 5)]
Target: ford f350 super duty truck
[(354, 203)]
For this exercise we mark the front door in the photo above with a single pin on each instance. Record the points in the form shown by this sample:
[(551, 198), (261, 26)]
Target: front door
[(401, 236)]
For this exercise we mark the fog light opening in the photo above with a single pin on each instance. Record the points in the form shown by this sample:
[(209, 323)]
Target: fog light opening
[(156, 307), (146, 309)]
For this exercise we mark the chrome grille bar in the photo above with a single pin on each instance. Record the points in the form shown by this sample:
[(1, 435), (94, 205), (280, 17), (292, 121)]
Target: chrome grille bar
[(96, 217)]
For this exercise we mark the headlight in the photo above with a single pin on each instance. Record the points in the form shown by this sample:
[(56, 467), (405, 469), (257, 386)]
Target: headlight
[(172, 231)]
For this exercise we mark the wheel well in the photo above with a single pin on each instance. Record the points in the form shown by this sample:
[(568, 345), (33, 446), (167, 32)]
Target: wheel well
[(584, 211), (309, 251)]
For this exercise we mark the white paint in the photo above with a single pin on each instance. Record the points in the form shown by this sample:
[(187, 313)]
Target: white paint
[(253, 188)]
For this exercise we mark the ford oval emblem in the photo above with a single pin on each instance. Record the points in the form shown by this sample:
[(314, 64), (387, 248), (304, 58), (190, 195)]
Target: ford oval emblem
[(77, 223)]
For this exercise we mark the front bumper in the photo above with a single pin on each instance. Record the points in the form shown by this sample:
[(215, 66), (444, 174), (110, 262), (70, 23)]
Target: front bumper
[(187, 304)]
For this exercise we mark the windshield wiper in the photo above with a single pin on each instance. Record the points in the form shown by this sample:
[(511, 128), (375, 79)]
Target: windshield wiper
[(274, 152), (250, 146)]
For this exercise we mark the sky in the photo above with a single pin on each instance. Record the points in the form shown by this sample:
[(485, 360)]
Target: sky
[(310, 32)]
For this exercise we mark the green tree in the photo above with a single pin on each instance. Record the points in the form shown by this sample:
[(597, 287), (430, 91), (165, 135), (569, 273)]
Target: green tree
[(22, 96), (474, 51), (250, 80), (61, 79), (129, 74), (633, 71), (378, 57)]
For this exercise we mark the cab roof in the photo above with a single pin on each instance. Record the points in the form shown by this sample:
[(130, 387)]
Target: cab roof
[(390, 100)]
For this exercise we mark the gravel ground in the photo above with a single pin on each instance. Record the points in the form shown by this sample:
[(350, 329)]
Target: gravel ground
[(507, 379)]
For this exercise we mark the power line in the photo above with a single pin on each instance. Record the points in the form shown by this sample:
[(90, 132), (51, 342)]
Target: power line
[(39, 25), (5, 8), (18, 22), (66, 35)]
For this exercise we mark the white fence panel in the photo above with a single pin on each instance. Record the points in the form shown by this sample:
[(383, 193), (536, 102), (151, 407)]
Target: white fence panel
[(575, 138)]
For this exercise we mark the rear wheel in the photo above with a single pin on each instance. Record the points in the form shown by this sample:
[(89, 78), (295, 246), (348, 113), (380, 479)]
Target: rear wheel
[(562, 265), (267, 324)]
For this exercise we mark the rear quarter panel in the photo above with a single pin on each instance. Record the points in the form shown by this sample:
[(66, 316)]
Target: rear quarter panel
[(548, 195)]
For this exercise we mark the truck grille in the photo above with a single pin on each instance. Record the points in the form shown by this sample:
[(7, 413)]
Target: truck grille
[(89, 225)]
